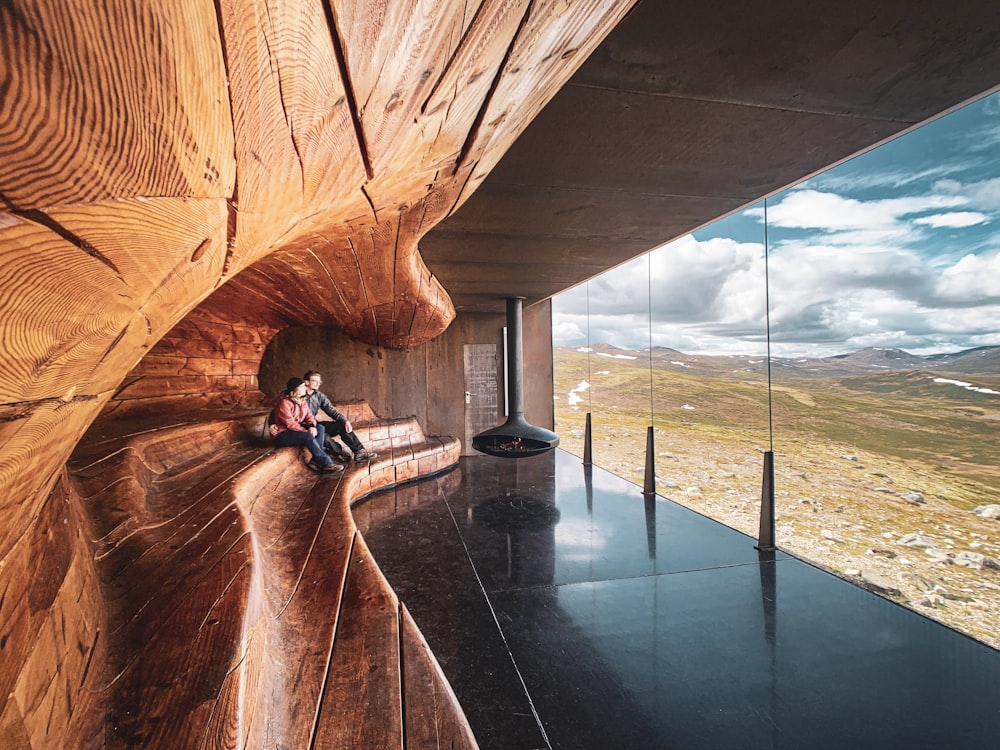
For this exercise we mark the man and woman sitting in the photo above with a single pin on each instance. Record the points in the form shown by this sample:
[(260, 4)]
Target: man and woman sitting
[(295, 423)]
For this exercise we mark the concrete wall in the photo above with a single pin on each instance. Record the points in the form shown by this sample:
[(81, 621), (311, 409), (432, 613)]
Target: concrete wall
[(427, 382)]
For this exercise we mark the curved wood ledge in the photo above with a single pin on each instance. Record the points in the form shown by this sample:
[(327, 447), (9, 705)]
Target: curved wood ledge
[(242, 606)]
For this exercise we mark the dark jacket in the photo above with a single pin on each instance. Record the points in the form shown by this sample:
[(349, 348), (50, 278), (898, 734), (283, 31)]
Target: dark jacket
[(318, 402)]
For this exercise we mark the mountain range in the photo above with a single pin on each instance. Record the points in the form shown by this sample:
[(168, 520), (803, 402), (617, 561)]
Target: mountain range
[(983, 360)]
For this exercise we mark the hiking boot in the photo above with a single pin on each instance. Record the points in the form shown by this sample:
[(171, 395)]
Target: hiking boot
[(329, 468), (336, 452), (363, 455)]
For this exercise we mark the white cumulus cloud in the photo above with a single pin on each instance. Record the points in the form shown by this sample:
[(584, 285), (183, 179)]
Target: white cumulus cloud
[(954, 219), (905, 254), (973, 278)]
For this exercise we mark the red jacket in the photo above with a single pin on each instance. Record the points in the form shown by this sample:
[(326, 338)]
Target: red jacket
[(289, 415)]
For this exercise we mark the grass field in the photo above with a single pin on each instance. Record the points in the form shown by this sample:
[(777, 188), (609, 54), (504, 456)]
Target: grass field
[(862, 460)]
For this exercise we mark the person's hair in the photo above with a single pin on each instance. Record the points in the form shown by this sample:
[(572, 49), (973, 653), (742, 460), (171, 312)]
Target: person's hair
[(310, 373), (292, 384)]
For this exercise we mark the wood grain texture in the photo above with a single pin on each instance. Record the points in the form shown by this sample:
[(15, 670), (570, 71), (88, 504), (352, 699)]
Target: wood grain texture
[(182, 180), (220, 593), (53, 622), (433, 717), (71, 334), (27, 475), (303, 598), (149, 153), (363, 681), (99, 103)]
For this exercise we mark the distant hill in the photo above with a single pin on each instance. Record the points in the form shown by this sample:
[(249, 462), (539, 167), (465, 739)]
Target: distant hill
[(876, 358), (983, 360)]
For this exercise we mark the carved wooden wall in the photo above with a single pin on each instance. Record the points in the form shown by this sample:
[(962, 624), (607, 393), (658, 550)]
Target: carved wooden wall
[(273, 162)]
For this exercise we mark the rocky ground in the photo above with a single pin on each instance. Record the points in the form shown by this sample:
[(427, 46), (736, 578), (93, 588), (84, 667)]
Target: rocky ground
[(878, 522)]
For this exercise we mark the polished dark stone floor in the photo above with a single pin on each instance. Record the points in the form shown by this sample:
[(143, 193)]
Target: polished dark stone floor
[(569, 612)]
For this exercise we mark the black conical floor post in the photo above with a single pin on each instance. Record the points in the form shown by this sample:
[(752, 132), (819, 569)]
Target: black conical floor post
[(765, 536), (649, 485)]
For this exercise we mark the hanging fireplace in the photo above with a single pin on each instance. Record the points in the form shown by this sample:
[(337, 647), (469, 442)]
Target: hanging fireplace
[(515, 438)]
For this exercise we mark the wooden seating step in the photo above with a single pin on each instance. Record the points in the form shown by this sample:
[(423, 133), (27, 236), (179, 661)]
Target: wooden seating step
[(425, 691), (364, 682), (242, 606)]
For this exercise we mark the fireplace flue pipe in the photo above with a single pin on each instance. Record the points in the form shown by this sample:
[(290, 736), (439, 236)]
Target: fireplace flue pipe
[(515, 438)]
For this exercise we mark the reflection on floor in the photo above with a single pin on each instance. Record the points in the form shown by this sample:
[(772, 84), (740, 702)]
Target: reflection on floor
[(570, 612)]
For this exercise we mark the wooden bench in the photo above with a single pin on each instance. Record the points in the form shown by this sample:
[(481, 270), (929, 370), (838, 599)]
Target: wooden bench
[(242, 606)]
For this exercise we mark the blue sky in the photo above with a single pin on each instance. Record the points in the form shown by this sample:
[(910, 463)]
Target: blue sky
[(898, 247)]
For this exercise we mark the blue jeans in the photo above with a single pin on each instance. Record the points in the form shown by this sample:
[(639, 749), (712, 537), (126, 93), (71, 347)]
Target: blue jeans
[(314, 444)]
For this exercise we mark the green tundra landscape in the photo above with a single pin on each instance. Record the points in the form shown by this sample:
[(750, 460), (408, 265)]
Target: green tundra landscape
[(885, 462)]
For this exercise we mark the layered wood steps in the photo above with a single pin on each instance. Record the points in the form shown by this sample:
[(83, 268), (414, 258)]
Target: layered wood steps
[(242, 606)]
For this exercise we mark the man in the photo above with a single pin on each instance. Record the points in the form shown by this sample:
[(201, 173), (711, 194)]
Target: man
[(340, 426)]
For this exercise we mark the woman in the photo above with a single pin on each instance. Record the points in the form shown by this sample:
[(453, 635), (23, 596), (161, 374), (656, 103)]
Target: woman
[(294, 424)]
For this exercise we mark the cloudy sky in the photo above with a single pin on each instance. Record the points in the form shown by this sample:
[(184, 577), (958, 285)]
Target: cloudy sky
[(899, 247)]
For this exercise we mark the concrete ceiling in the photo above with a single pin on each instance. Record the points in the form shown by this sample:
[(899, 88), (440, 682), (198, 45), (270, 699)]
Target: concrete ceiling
[(692, 109)]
